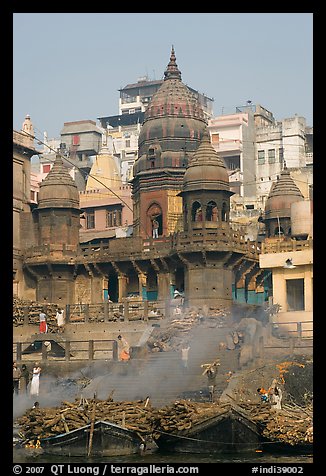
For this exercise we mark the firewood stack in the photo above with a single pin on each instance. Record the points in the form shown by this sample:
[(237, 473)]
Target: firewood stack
[(177, 329), (46, 422), (183, 414), (34, 309), (291, 426)]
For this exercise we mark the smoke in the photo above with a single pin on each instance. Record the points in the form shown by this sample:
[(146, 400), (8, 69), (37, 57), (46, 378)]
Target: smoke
[(161, 375), (158, 375)]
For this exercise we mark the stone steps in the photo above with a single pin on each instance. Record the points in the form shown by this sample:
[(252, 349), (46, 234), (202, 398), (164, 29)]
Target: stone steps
[(162, 376)]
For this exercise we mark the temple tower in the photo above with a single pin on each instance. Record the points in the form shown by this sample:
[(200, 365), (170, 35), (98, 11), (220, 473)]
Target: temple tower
[(53, 262), (206, 206), (277, 216), (172, 129)]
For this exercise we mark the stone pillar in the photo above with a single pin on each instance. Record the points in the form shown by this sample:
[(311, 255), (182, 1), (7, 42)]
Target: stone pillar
[(142, 280), (163, 284), (122, 286)]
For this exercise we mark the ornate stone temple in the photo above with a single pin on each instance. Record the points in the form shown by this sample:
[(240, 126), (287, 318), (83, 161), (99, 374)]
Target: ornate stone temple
[(173, 126), (181, 182)]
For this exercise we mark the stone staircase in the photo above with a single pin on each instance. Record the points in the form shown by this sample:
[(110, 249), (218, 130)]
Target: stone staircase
[(162, 376)]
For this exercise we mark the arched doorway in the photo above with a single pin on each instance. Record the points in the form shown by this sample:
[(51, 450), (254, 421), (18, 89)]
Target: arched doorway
[(154, 212)]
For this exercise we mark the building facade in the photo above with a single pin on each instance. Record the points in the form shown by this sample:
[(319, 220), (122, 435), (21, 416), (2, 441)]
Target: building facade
[(179, 180)]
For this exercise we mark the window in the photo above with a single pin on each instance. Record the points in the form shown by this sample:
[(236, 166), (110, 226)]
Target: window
[(215, 138), (90, 220), (113, 218), (261, 157), (224, 216), (271, 156), (196, 212), (127, 142), (281, 154), (211, 211), (46, 168), (295, 294), (75, 140)]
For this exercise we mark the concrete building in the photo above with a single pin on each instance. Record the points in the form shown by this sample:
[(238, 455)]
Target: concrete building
[(254, 147)]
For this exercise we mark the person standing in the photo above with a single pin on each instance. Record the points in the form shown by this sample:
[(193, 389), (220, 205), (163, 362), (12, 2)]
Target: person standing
[(43, 324), (24, 379), (211, 373), (60, 320), (155, 226), (275, 396), (124, 346), (184, 355), (35, 383), (16, 378)]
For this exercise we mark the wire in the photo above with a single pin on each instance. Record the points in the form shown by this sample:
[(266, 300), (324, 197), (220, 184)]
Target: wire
[(81, 171)]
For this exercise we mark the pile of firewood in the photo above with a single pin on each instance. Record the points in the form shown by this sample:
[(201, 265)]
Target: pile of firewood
[(33, 310), (293, 428), (291, 425), (178, 326), (39, 423), (183, 414)]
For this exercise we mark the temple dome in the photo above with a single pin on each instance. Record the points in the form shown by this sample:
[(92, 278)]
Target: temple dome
[(283, 193), (173, 124), (206, 170), (58, 189), (104, 172)]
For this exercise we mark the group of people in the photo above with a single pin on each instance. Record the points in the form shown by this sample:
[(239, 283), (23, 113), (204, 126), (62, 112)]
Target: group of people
[(24, 381), (43, 327), (273, 395)]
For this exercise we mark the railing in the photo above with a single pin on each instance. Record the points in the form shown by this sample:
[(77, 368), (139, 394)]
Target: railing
[(130, 309), (50, 249), (294, 329), (206, 233), (71, 351), (280, 246)]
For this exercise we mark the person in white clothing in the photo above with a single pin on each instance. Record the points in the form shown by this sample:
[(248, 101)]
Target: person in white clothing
[(60, 320), (275, 396), (35, 383), (184, 356)]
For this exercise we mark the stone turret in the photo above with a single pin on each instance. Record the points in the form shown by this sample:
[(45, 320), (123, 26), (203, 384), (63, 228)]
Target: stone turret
[(283, 193), (206, 190), (58, 207)]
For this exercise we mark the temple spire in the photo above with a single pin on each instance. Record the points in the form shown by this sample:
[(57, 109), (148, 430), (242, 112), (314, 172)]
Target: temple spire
[(172, 71)]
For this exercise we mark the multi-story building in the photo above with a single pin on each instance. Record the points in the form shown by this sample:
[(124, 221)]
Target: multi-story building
[(255, 147), (282, 142)]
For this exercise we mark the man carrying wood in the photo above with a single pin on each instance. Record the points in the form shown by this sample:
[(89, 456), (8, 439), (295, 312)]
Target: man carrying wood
[(211, 373)]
